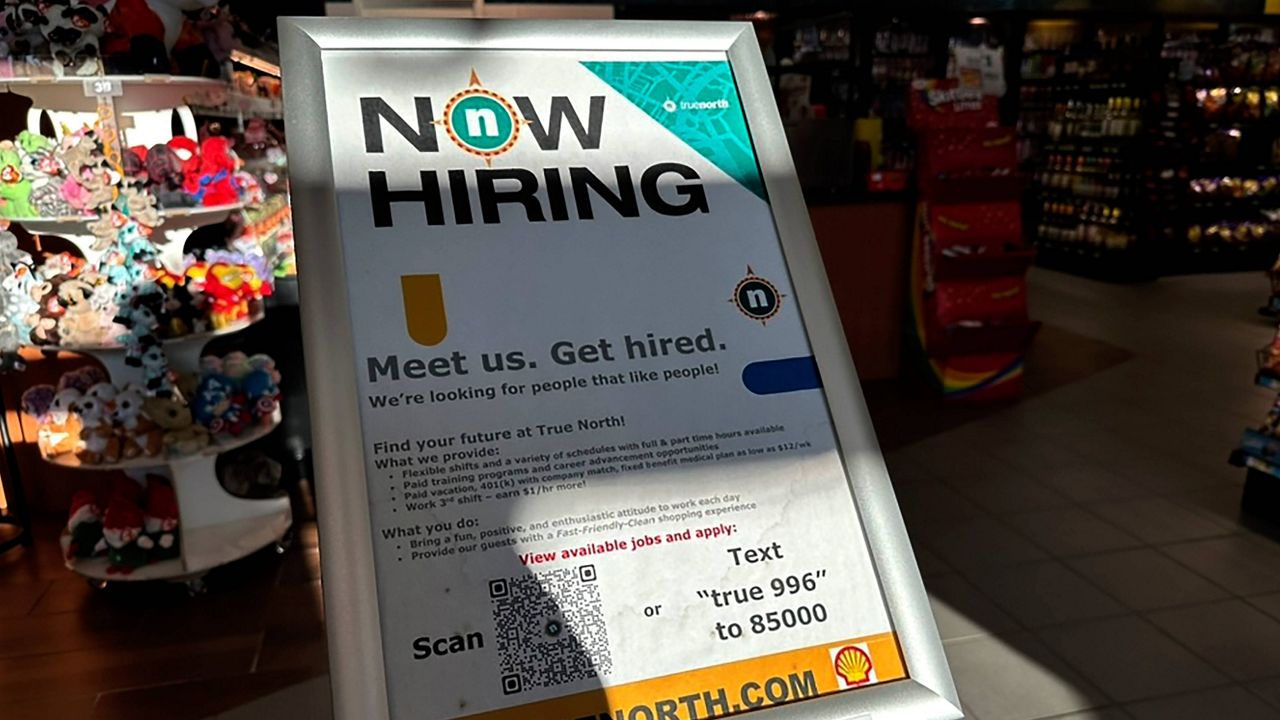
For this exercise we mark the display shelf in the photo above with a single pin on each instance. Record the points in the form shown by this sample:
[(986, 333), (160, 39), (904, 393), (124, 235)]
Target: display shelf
[(1010, 262), (1256, 463), (239, 105), (74, 226), (1270, 382), (183, 352), (1219, 257), (200, 337), (202, 548), (215, 448), (1094, 261), (137, 92)]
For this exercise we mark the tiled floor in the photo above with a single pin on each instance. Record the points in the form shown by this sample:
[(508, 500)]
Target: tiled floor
[(1083, 548), (71, 653)]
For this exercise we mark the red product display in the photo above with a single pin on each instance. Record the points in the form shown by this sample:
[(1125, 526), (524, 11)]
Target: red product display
[(942, 104), (988, 225), (965, 150), (982, 302), (969, 261)]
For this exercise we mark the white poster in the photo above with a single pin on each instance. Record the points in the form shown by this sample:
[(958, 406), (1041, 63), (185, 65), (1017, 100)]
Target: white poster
[(602, 477)]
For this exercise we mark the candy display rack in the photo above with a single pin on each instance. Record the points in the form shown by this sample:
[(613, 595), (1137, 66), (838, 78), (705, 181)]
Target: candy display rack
[(968, 285), (215, 527)]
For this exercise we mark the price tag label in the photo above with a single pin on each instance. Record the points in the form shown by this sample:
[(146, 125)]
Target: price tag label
[(103, 87)]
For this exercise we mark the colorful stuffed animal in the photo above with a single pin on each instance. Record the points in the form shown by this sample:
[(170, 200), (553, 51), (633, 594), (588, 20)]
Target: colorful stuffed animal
[(212, 183), (261, 385), (219, 406), (155, 367), (98, 441), (121, 526), (140, 205), (22, 20), (164, 173), (160, 521), (42, 166), (59, 432), (81, 324), (84, 527), (182, 436), (133, 41), (139, 435), (73, 29), (15, 188)]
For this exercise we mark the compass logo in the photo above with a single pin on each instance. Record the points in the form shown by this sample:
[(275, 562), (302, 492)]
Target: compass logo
[(757, 298), (481, 122)]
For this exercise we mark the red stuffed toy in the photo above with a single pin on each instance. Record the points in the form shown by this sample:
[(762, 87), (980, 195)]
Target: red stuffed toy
[(130, 19), (213, 183)]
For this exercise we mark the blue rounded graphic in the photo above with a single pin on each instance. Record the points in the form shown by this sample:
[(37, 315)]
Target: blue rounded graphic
[(482, 123)]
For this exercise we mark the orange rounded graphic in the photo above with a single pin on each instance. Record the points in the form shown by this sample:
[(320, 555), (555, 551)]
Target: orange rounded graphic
[(853, 666)]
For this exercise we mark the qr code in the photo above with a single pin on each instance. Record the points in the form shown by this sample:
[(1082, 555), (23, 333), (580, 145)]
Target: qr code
[(550, 628)]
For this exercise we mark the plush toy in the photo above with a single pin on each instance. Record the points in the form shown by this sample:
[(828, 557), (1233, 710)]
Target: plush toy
[(252, 474), (43, 320), (42, 166), (212, 183), (106, 228), (180, 315), (219, 406), (187, 154), (139, 435), (165, 172), (121, 527), (261, 386), (140, 205), (59, 432), (73, 30), (155, 367), (19, 306), (229, 291), (133, 41), (160, 521), (80, 324), (138, 318), (98, 183), (204, 43), (182, 436), (84, 527), (172, 15), (22, 20), (82, 379), (235, 365), (10, 254), (15, 189), (98, 441)]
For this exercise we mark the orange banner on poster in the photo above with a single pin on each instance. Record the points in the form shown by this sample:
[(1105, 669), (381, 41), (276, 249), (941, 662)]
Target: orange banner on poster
[(730, 688)]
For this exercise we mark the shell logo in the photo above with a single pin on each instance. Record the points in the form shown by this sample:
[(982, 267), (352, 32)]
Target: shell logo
[(853, 666)]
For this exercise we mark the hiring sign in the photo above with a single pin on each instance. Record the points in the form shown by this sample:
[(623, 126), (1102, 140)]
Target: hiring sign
[(589, 442)]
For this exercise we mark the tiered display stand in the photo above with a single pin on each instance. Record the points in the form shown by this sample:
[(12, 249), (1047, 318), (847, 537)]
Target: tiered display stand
[(968, 285), (216, 527), (1259, 451)]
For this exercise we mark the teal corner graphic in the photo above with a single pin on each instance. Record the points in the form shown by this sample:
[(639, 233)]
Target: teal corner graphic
[(698, 102)]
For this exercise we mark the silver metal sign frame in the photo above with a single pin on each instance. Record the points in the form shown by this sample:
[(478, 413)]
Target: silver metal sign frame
[(351, 602)]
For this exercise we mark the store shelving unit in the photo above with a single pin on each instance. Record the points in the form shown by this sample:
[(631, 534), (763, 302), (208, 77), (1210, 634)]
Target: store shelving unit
[(216, 528), (1215, 149), (1083, 115)]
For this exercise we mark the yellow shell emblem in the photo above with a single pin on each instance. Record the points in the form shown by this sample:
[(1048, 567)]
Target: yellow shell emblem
[(853, 666)]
